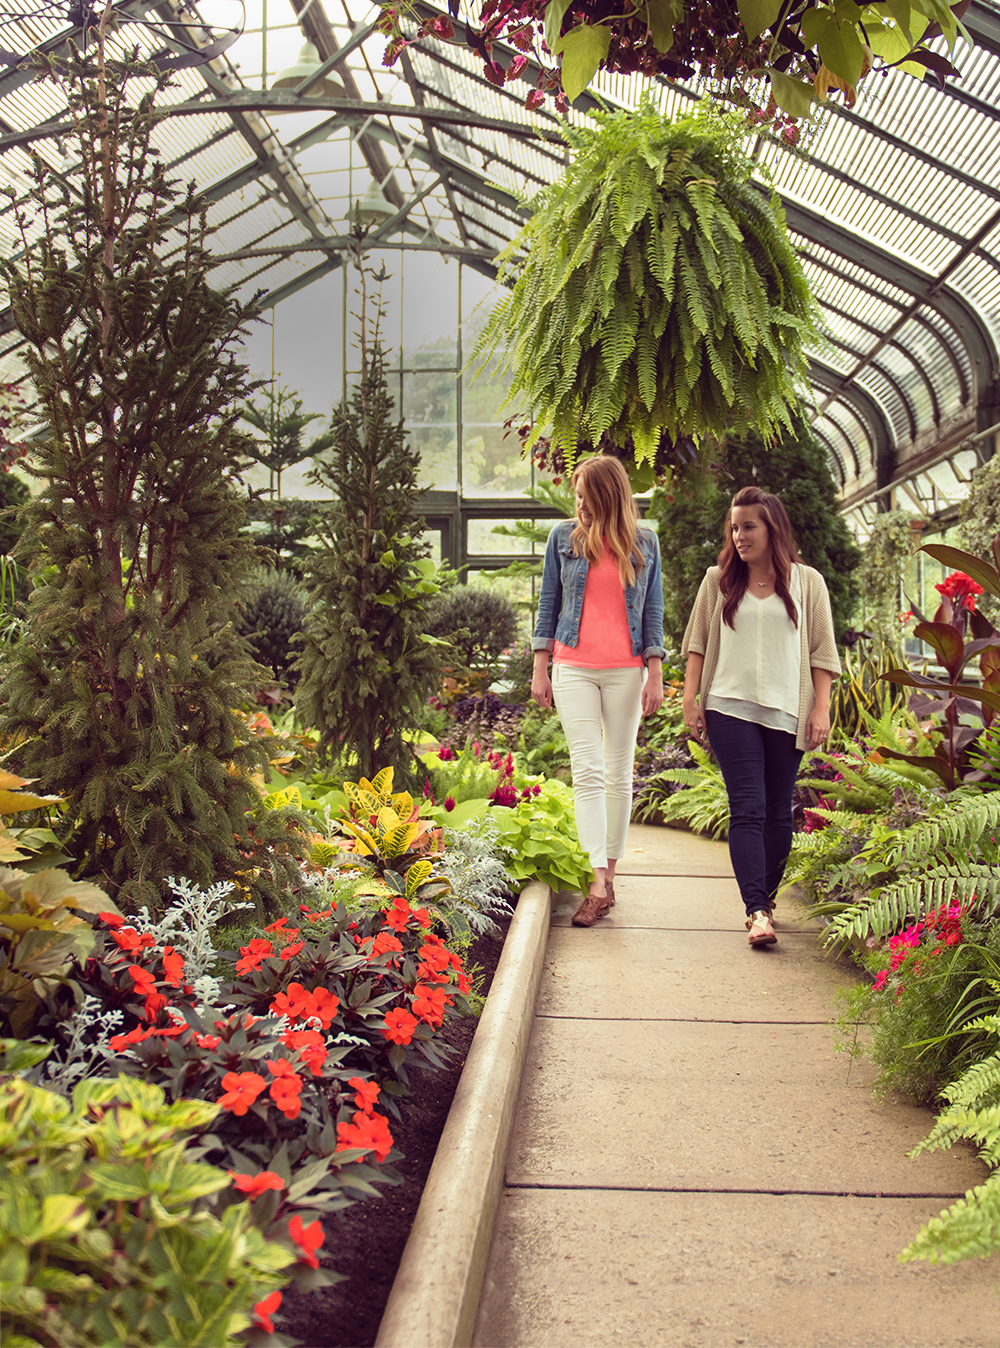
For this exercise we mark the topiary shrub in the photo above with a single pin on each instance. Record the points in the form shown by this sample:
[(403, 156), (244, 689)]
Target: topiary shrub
[(274, 613), (479, 623)]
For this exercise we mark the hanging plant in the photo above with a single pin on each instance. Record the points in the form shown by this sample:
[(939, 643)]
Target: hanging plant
[(655, 291)]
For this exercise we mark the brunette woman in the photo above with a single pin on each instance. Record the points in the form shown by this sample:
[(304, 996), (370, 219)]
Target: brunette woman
[(761, 652), (600, 614)]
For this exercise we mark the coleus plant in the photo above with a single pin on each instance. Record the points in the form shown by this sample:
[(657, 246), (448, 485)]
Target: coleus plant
[(956, 618), (806, 49)]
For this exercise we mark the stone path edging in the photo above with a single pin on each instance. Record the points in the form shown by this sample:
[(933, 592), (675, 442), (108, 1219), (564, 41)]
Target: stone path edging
[(435, 1295)]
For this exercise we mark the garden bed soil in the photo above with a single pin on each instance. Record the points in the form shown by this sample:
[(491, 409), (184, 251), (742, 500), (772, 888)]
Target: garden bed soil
[(366, 1243)]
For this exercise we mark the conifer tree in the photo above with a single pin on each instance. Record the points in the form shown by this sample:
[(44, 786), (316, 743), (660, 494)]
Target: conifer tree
[(367, 670), (121, 693), (795, 468)]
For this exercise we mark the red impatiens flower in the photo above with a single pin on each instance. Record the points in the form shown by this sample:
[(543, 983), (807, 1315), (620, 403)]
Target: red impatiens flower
[(366, 1093), (257, 950), (369, 1132), (207, 1040), (291, 950), (286, 1088), (265, 1309), (173, 966), (242, 1089), (310, 1046), (129, 940), (142, 978), (294, 1003), (112, 919), (308, 1240), (430, 1003), (399, 1026), (325, 1006), (398, 916), (384, 943), (254, 1185)]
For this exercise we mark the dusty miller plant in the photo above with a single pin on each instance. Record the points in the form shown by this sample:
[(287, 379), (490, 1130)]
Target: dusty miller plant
[(480, 882)]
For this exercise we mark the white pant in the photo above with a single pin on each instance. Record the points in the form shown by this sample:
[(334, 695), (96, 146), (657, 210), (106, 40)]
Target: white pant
[(586, 700)]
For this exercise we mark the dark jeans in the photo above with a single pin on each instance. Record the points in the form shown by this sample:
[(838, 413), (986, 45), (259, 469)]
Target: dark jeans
[(759, 766)]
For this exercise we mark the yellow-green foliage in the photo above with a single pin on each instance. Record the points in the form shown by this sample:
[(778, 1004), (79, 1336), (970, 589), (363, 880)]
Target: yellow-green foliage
[(103, 1237), (655, 290), (40, 932)]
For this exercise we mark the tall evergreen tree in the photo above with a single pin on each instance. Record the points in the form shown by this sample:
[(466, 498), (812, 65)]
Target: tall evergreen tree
[(367, 670), (795, 468), (120, 694)]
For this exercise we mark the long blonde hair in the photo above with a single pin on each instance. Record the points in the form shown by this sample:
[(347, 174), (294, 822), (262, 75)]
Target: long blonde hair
[(607, 493)]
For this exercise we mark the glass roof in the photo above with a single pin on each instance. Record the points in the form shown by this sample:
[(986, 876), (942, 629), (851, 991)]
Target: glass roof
[(894, 206)]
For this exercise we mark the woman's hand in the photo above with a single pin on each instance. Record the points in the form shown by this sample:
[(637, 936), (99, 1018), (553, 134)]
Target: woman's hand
[(817, 727), (652, 692), (693, 720), (541, 684)]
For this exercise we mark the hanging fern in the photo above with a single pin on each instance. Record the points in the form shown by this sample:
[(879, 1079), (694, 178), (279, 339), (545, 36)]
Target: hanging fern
[(655, 292)]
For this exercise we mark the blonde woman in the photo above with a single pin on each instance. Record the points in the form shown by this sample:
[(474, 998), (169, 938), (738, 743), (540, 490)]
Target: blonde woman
[(600, 615), (761, 659)]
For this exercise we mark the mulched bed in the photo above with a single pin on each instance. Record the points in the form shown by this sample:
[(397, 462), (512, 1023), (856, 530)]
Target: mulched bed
[(366, 1243)]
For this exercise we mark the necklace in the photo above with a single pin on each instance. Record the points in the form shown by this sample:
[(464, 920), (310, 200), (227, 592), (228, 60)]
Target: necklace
[(764, 583)]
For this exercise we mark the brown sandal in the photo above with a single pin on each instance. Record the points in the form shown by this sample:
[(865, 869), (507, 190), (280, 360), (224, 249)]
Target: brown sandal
[(592, 908)]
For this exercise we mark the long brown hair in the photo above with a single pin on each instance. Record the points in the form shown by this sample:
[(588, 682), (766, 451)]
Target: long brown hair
[(607, 493), (784, 553)]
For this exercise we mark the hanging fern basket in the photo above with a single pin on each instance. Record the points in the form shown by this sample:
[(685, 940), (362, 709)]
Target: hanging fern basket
[(655, 293)]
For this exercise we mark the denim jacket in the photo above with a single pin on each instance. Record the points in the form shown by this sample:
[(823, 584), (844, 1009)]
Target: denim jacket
[(564, 576)]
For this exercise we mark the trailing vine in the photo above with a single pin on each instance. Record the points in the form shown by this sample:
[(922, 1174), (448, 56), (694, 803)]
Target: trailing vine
[(655, 291)]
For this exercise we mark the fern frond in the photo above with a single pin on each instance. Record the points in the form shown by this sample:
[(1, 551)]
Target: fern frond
[(969, 1229)]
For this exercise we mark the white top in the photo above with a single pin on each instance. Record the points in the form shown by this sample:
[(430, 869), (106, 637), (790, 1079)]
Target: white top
[(760, 662)]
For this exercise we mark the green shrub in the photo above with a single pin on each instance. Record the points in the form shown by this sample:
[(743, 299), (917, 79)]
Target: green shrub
[(274, 613), (479, 623), (106, 1236)]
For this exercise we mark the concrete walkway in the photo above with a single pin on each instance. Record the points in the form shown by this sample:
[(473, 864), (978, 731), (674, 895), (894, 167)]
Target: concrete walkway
[(692, 1165)]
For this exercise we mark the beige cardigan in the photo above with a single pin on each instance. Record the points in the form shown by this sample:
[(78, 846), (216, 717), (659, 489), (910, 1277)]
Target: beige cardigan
[(819, 646)]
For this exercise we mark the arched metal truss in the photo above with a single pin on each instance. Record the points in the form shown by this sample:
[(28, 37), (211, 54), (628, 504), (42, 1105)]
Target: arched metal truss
[(895, 207)]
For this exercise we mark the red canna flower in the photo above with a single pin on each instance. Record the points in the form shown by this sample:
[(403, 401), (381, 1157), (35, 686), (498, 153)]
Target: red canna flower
[(242, 1089), (308, 1240), (254, 1185), (399, 1026), (265, 1309)]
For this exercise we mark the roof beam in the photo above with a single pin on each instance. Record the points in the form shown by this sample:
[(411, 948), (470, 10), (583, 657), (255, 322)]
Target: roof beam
[(925, 289)]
